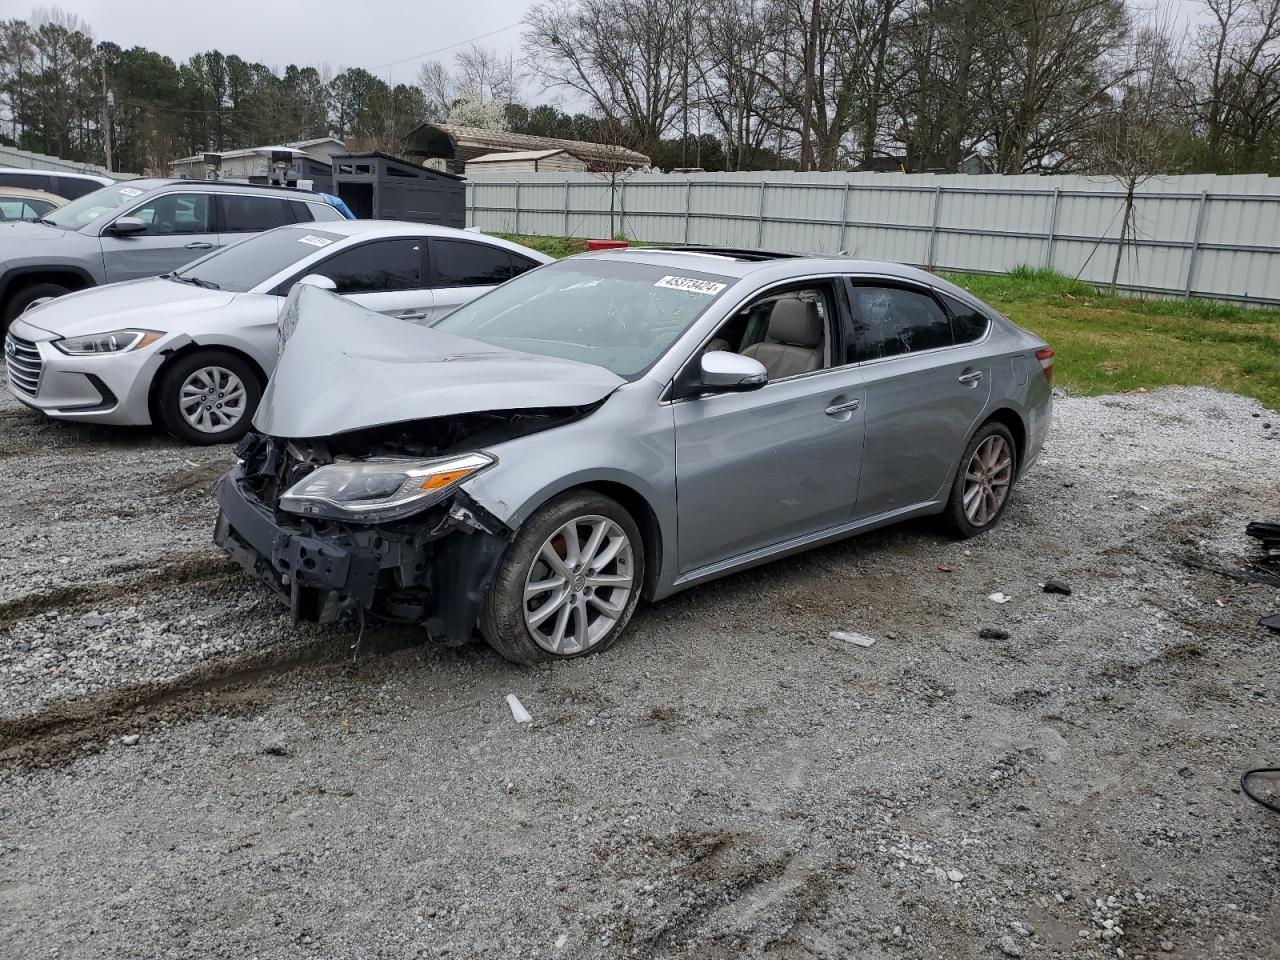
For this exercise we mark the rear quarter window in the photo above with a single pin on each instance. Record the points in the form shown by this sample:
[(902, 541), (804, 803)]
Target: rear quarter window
[(967, 323)]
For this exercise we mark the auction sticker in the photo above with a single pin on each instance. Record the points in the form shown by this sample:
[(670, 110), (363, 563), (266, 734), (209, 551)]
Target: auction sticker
[(130, 192), (312, 241), (691, 285)]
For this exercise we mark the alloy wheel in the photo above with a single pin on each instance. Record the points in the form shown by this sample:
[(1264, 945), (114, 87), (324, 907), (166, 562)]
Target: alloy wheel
[(987, 479), (212, 399), (578, 585)]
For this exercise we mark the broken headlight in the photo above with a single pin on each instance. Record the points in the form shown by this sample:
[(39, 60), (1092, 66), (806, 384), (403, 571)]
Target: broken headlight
[(381, 489)]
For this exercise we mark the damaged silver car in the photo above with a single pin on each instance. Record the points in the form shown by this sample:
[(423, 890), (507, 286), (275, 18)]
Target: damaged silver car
[(616, 426)]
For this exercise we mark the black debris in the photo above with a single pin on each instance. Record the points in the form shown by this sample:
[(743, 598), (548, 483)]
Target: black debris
[(993, 633), (1268, 533), (1271, 623), (1186, 773), (1057, 586)]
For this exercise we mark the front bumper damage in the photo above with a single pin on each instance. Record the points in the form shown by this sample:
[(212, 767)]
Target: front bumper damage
[(434, 569)]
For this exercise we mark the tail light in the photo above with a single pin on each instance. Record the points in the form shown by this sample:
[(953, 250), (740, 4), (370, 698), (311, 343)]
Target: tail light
[(1045, 357)]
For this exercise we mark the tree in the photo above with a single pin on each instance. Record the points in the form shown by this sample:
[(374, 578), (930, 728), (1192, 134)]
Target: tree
[(625, 56)]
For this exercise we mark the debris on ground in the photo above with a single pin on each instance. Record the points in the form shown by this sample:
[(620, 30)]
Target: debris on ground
[(1271, 623), (518, 712), (1058, 587), (945, 568), (993, 633), (130, 739), (999, 597), (1268, 533), (857, 639)]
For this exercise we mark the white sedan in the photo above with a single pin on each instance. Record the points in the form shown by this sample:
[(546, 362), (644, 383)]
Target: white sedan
[(192, 350)]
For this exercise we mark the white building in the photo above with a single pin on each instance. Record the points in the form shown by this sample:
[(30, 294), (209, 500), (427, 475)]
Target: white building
[(527, 161)]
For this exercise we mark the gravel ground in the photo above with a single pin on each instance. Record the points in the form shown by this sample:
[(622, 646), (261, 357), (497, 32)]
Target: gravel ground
[(182, 774)]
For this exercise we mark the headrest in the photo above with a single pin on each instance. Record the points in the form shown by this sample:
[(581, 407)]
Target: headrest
[(795, 322)]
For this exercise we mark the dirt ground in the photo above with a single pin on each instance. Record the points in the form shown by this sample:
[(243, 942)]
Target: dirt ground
[(185, 775)]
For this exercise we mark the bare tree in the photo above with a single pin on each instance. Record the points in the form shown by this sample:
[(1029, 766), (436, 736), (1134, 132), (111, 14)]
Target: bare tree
[(1232, 82), (736, 39), (626, 56), (482, 82)]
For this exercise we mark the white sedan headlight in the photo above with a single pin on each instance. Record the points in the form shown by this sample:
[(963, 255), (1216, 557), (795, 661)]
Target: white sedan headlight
[(117, 341), (376, 490)]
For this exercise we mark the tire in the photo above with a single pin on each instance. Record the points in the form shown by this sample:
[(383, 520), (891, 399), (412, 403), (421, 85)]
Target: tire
[(993, 481), (208, 370), (29, 295), (508, 623)]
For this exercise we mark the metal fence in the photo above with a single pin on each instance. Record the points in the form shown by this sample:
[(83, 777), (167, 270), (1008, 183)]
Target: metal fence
[(1206, 236), (26, 160)]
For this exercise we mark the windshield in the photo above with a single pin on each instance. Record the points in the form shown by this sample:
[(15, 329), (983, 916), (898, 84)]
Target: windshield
[(244, 265), (617, 315), (92, 206)]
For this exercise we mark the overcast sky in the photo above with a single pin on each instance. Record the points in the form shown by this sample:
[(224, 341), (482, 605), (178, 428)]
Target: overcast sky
[(342, 33)]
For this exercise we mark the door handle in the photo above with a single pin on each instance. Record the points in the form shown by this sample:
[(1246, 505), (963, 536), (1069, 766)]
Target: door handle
[(412, 315), (838, 408), (199, 245), (973, 377)]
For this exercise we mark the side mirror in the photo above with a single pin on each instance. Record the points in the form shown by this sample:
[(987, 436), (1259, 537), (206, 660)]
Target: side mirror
[(316, 280), (725, 371), (126, 226)]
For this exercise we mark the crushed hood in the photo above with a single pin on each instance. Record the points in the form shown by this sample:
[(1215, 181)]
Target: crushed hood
[(346, 368)]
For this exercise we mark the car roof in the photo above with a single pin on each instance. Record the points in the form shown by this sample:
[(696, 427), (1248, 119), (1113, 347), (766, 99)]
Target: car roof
[(396, 228), (25, 194), (157, 183), (769, 266), (105, 181)]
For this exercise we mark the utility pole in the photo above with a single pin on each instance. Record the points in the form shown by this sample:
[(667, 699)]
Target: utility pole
[(106, 114), (810, 60)]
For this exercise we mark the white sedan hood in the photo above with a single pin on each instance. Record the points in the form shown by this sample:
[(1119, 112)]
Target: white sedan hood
[(346, 368), (150, 304)]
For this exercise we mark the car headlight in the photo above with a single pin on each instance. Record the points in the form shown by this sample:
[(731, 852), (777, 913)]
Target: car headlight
[(376, 490), (117, 341)]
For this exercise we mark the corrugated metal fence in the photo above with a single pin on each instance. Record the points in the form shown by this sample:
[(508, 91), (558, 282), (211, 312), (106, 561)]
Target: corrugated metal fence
[(26, 160), (1205, 236)]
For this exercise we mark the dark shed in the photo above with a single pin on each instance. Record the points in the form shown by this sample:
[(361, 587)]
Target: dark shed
[(378, 186)]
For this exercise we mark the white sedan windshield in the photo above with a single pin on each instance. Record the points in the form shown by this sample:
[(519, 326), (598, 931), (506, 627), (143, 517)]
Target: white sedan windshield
[(616, 315)]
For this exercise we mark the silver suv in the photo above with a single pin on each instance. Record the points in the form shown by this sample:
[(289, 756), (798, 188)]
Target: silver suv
[(141, 228)]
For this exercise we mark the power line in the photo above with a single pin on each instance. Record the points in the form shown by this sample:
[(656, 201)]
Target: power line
[(460, 43)]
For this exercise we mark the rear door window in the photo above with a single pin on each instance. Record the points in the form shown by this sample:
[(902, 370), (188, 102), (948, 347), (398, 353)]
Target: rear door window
[(967, 323), (456, 263), (375, 267), (890, 321), (246, 214), (28, 181)]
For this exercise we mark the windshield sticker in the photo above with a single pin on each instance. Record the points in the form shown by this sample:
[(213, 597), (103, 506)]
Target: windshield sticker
[(707, 288), (314, 241), (130, 192)]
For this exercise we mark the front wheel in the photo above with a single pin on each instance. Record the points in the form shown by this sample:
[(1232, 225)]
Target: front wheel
[(568, 583), (208, 396), (983, 482)]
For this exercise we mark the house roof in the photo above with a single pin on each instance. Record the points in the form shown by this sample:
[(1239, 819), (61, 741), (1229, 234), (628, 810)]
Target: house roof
[(250, 151), (443, 139), (520, 155)]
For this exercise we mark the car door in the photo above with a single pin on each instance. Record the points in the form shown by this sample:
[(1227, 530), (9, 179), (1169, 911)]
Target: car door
[(924, 393), (180, 228), (757, 469), (462, 270), (382, 275)]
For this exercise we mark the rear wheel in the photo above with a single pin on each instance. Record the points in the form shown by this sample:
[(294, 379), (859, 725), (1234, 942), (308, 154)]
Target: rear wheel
[(29, 296), (569, 582), (983, 482), (207, 397)]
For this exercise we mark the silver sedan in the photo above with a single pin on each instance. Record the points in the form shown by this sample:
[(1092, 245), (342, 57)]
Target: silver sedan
[(193, 349), (618, 426)]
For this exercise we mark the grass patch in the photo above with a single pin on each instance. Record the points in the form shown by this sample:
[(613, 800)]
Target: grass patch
[(1106, 344), (551, 246)]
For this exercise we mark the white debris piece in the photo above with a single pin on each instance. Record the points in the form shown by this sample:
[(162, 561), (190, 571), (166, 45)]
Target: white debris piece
[(856, 639), (999, 597), (954, 875), (517, 709)]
